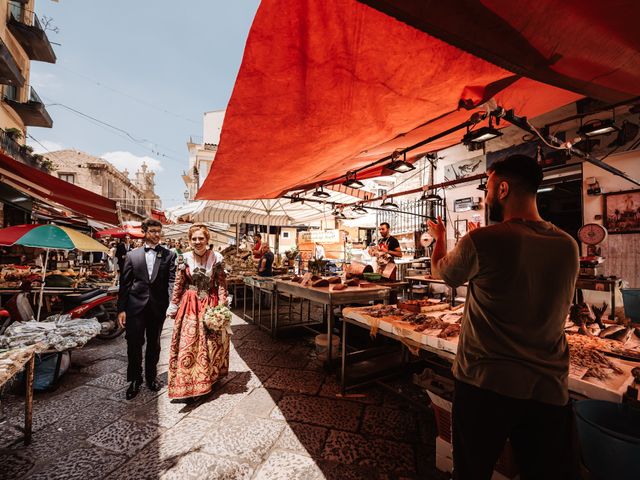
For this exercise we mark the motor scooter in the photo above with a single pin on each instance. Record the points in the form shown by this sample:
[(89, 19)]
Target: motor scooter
[(99, 303)]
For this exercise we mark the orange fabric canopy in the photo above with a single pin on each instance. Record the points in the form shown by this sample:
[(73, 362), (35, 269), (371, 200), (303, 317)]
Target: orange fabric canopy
[(327, 87)]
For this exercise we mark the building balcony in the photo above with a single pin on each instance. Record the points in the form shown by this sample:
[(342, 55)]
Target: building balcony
[(26, 28), (10, 73), (33, 112), (13, 149)]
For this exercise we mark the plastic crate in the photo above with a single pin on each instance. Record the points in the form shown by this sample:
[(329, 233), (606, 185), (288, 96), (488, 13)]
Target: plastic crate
[(631, 302), (506, 464)]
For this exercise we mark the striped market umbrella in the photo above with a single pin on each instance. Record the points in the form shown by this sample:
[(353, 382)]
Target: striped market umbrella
[(48, 237)]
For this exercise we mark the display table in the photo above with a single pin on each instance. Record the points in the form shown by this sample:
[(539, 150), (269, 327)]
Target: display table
[(580, 386), (260, 288), (331, 298), (12, 363)]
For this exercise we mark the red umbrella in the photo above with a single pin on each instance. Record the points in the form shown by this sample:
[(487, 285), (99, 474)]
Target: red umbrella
[(121, 232)]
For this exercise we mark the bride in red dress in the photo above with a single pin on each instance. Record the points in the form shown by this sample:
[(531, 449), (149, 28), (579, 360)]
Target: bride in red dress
[(198, 356)]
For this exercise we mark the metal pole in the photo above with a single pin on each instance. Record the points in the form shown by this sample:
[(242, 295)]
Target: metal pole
[(44, 273)]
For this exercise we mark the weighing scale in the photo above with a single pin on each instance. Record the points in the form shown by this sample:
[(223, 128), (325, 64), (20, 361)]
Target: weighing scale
[(592, 234)]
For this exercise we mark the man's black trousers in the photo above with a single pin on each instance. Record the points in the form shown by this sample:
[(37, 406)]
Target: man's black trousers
[(542, 435), (148, 322)]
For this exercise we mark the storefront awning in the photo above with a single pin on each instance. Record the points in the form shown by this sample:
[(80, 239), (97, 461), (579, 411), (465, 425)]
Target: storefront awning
[(49, 189), (327, 87)]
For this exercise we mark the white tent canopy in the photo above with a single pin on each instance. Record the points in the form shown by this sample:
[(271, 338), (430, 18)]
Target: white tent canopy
[(274, 212)]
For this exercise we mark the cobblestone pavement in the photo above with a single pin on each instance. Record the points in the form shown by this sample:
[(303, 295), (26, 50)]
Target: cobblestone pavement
[(276, 416)]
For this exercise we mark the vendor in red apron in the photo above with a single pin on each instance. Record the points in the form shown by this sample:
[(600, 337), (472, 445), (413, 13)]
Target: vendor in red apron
[(386, 251), (257, 246)]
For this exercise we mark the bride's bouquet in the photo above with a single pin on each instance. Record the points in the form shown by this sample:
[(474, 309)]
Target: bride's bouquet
[(217, 318)]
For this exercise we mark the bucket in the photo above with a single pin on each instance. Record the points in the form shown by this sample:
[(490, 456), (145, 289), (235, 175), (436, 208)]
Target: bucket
[(322, 346), (631, 302), (609, 439)]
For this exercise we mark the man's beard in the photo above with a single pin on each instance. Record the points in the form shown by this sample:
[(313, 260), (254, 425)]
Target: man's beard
[(496, 212)]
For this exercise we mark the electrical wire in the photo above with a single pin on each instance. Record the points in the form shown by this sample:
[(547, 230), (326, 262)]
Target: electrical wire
[(143, 143), (132, 97)]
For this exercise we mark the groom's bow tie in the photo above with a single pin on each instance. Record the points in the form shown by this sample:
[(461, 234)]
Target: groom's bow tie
[(155, 249)]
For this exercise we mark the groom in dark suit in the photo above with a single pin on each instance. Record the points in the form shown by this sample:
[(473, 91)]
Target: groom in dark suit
[(146, 284)]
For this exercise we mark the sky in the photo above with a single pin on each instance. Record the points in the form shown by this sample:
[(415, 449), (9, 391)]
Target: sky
[(147, 68)]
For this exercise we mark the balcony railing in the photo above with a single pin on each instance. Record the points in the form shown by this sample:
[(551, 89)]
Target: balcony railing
[(16, 151), (32, 112), (27, 29)]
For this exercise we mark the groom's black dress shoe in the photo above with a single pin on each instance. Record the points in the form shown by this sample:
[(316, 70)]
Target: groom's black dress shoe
[(154, 385), (134, 389)]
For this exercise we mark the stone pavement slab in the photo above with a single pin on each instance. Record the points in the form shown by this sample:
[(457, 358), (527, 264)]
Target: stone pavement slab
[(276, 415)]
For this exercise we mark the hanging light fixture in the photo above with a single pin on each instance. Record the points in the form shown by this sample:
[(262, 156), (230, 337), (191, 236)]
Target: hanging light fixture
[(481, 135), (598, 127), (360, 210), (431, 197), (339, 215), (320, 193), (474, 139), (388, 204), (352, 181), (401, 165)]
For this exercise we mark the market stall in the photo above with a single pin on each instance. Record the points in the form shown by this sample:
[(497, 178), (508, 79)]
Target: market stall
[(600, 368), (50, 238)]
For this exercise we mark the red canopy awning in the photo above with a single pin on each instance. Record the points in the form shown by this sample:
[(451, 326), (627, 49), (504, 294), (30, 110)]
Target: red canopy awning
[(326, 87), (47, 188), (587, 46)]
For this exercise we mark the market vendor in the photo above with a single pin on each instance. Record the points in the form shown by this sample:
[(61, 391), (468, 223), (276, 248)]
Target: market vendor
[(512, 363), (265, 266), (257, 246), (386, 251)]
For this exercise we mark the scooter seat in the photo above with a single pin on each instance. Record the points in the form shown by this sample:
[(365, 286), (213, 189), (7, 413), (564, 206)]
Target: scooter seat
[(75, 299)]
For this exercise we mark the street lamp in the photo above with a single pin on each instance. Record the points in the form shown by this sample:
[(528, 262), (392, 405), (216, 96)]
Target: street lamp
[(186, 195)]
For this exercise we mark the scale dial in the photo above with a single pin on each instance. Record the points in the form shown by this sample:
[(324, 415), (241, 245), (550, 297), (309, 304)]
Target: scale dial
[(426, 240), (592, 234)]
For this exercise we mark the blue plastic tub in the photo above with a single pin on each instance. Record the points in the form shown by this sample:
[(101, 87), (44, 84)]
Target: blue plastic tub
[(609, 439), (631, 301)]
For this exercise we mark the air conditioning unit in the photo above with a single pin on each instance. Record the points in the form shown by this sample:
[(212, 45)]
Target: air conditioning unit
[(466, 204)]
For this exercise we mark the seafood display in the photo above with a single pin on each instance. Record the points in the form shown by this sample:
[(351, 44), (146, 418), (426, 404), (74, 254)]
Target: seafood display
[(379, 311), (423, 322), (58, 332), (426, 305), (602, 345), (596, 364), (416, 321), (452, 330)]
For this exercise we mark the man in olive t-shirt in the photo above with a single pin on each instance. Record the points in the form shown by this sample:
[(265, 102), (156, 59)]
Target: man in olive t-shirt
[(512, 363)]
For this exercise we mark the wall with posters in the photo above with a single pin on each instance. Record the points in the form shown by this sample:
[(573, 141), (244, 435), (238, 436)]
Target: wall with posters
[(621, 250)]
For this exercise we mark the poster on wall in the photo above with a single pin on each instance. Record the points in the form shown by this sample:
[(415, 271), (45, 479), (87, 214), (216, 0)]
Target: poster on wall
[(622, 211), (463, 168)]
